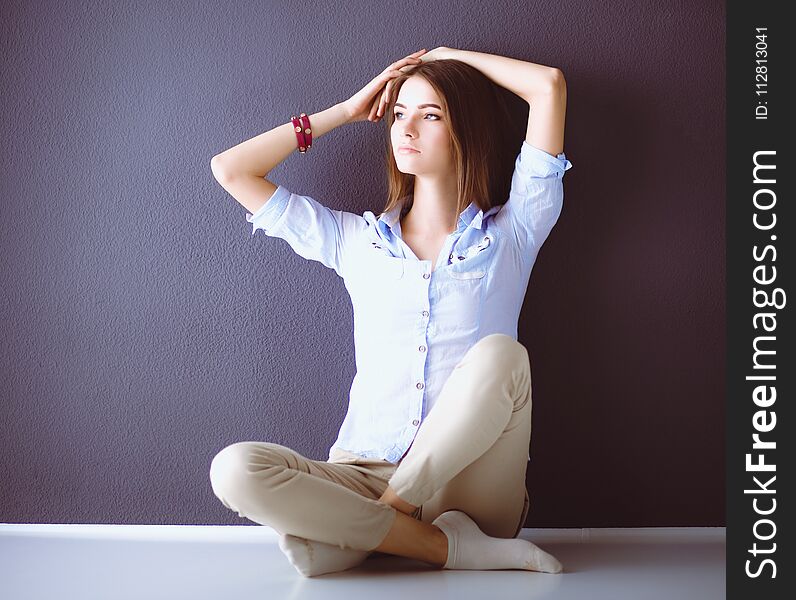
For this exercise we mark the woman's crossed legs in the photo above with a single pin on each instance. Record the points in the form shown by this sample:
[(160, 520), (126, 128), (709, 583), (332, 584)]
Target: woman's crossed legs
[(469, 456)]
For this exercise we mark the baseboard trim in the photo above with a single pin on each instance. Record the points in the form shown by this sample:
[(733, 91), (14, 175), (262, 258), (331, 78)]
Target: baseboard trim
[(254, 533), (636, 535)]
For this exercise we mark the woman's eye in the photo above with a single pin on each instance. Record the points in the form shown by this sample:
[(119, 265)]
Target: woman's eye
[(398, 112)]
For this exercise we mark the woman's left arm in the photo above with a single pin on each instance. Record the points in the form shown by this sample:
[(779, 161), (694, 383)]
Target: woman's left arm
[(542, 87)]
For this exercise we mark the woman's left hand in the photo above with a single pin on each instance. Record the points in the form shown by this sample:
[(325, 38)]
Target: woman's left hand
[(435, 54)]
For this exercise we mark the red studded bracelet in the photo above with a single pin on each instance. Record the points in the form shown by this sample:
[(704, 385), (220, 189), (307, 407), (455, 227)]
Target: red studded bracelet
[(303, 132)]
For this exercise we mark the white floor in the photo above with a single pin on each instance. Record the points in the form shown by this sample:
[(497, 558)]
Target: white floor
[(229, 562)]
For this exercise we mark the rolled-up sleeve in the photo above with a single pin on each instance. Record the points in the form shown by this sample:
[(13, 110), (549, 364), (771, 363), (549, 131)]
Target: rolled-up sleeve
[(536, 196), (312, 230)]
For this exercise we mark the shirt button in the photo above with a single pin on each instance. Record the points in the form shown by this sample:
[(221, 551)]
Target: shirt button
[(425, 313), (422, 348), (420, 385), (415, 422), (426, 275)]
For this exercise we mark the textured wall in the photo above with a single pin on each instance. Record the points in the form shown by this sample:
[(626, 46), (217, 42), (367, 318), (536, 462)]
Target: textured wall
[(144, 328)]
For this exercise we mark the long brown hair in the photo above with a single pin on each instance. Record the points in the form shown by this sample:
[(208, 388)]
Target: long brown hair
[(486, 125)]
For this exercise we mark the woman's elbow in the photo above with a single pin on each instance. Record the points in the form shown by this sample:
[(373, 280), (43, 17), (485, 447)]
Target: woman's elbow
[(557, 81), (216, 168)]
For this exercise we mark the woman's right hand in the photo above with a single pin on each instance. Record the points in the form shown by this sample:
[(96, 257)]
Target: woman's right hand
[(365, 103)]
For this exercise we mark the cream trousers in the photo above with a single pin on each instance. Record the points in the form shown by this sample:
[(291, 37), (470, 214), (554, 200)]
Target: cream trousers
[(469, 454)]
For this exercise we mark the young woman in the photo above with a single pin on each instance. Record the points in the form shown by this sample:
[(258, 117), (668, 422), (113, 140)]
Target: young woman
[(430, 460)]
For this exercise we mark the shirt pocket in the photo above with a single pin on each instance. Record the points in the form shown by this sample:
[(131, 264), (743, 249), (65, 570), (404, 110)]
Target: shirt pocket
[(464, 261), (476, 274), (459, 305), (463, 288)]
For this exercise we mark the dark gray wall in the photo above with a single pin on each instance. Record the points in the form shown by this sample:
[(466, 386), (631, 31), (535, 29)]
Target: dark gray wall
[(144, 329)]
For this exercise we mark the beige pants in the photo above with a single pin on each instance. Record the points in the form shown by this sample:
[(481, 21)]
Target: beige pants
[(469, 454)]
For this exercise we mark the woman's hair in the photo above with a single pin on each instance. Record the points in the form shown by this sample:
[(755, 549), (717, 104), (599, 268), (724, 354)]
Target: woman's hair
[(486, 124)]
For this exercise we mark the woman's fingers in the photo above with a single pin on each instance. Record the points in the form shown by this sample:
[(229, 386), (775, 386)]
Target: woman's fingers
[(386, 95), (408, 57), (387, 79), (384, 82), (405, 63), (381, 102), (373, 109), (385, 98), (411, 63)]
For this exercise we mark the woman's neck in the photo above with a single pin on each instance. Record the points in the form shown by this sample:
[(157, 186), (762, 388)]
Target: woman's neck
[(433, 209)]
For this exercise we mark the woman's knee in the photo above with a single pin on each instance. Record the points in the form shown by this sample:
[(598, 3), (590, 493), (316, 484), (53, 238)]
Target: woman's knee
[(503, 348), (232, 467)]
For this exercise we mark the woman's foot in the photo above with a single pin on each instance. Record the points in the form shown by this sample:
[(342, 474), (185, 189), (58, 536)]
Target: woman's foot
[(471, 548), (311, 557)]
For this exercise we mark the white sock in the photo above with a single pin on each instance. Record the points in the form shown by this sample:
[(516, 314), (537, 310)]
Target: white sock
[(311, 557), (471, 548)]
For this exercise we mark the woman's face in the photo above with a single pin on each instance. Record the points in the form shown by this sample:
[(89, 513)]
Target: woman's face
[(421, 127)]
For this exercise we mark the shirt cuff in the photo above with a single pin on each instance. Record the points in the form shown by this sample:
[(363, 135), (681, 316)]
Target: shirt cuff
[(270, 212), (543, 164)]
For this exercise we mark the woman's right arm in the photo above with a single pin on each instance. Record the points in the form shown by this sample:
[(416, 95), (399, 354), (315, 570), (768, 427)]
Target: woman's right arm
[(241, 170)]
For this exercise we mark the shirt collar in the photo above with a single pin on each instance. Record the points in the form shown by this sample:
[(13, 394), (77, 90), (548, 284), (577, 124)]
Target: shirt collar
[(472, 215)]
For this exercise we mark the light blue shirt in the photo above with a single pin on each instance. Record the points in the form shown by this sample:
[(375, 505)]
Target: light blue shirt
[(411, 325)]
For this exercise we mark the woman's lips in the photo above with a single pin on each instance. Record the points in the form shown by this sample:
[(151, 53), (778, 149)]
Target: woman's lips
[(408, 151)]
